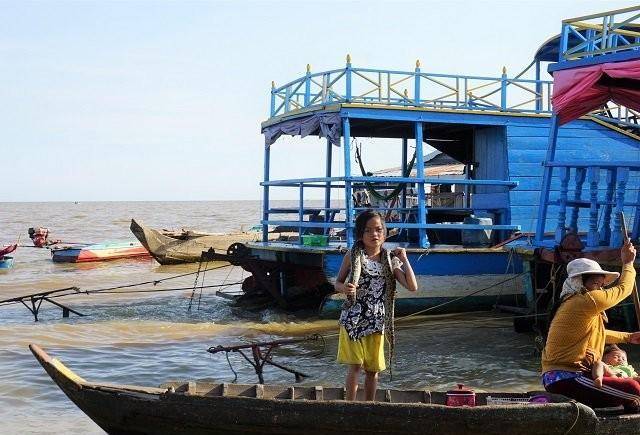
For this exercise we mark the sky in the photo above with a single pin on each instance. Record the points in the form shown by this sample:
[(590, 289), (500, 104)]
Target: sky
[(163, 100)]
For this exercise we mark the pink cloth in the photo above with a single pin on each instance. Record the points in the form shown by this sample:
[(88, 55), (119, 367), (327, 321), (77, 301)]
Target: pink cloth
[(579, 91)]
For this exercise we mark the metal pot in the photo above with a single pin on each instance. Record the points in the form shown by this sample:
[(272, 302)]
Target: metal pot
[(461, 396)]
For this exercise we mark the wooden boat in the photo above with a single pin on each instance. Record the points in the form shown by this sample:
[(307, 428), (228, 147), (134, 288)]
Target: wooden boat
[(98, 252), (176, 247), (214, 408), (6, 262)]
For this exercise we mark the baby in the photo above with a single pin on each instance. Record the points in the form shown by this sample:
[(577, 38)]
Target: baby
[(614, 364)]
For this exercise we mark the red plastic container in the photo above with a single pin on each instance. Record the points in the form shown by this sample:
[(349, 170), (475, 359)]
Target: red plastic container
[(461, 396)]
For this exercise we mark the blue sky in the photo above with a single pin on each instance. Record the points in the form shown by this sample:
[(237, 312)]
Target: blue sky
[(162, 100)]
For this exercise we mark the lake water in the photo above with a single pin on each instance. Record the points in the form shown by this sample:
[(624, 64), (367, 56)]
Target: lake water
[(147, 338)]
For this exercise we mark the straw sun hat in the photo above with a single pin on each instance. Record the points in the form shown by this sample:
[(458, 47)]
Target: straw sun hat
[(584, 266)]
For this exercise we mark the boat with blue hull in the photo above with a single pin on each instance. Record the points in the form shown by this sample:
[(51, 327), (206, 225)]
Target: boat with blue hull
[(455, 225), (114, 250), (6, 262)]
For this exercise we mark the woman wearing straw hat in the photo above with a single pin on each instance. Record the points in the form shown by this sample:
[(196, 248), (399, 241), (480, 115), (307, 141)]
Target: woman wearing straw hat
[(577, 335)]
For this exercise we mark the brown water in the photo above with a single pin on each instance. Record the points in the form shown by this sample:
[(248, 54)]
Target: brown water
[(149, 338)]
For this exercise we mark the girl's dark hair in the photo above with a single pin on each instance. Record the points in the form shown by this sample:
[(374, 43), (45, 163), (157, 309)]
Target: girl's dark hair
[(363, 218)]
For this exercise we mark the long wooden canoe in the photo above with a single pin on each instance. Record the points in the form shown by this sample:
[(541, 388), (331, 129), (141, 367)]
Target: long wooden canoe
[(220, 408), (169, 247)]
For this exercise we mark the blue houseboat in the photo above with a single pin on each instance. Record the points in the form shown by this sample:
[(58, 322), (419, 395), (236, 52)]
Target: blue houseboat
[(497, 127), (589, 190)]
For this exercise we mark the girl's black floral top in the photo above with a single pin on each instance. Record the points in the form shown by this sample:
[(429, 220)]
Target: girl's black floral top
[(366, 315)]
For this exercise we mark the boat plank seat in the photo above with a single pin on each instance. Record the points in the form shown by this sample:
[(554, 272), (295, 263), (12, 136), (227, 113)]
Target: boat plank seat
[(259, 393)]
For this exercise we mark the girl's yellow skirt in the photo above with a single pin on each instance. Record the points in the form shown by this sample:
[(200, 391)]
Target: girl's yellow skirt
[(367, 351)]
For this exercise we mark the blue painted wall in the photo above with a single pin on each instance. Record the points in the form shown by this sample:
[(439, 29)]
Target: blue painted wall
[(579, 140)]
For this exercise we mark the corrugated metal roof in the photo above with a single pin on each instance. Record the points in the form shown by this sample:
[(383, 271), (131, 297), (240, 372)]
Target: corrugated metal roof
[(436, 164)]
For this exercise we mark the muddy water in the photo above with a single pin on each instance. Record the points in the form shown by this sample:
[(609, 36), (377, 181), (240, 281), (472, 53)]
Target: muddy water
[(148, 338)]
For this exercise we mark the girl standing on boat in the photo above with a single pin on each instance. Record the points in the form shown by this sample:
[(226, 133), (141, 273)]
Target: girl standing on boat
[(577, 335), (364, 317)]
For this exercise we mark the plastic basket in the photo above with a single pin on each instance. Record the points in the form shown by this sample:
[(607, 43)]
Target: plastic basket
[(315, 240), (507, 400)]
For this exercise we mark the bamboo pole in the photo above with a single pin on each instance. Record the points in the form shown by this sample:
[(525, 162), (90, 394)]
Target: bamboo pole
[(634, 293)]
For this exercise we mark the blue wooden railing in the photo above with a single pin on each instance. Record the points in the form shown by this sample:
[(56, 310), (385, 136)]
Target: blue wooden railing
[(604, 197), (329, 213), (411, 89), (604, 34)]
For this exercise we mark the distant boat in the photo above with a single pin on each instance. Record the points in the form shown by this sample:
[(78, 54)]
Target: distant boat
[(222, 408), (186, 246), (6, 261), (98, 252)]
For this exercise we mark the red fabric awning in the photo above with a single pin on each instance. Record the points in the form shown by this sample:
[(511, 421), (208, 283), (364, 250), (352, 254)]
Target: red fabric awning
[(578, 91)]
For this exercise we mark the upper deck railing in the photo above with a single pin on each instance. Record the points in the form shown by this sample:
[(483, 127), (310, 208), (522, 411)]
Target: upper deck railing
[(600, 34), (411, 89)]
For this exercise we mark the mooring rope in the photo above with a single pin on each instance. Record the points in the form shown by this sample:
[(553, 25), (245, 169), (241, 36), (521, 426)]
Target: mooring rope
[(54, 294)]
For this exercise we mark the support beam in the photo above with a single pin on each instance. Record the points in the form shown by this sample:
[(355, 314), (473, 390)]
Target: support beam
[(405, 150), (327, 191), (605, 229), (575, 212), (622, 177), (346, 145), (594, 178), (562, 203), (422, 206), (546, 179), (301, 212), (265, 194)]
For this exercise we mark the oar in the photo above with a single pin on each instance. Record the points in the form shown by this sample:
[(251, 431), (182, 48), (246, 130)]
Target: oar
[(634, 293)]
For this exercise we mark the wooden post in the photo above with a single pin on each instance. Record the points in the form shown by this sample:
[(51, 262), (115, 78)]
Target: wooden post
[(562, 204), (594, 178), (622, 176), (327, 186), (575, 212), (605, 229), (346, 145), (634, 293), (265, 194), (546, 179), (422, 205)]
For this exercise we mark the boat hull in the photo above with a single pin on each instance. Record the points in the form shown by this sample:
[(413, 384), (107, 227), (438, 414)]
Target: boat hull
[(272, 409), (450, 280), (6, 262), (99, 252), (185, 248)]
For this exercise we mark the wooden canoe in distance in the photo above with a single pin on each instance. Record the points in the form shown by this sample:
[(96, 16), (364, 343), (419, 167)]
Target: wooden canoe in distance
[(98, 252), (220, 408), (176, 247)]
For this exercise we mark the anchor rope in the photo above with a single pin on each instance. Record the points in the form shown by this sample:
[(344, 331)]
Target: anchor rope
[(53, 294), (456, 300), (169, 289)]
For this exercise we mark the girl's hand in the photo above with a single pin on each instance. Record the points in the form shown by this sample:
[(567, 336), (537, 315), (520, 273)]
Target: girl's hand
[(349, 290), (401, 253)]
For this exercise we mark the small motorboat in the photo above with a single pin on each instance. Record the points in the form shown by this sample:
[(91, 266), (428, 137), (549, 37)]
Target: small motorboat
[(98, 252), (6, 261), (222, 408)]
